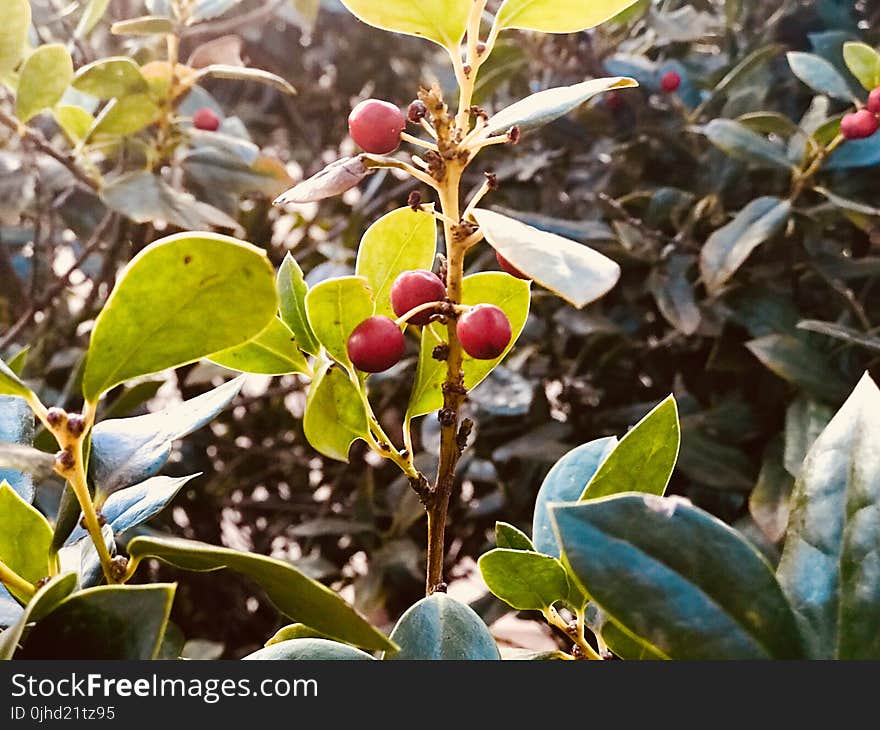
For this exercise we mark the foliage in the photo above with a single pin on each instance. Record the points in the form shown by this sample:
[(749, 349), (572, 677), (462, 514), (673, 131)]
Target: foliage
[(727, 228)]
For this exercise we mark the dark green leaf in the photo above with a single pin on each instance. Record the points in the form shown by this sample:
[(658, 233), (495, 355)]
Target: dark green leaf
[(294, 594), (677, 578), (839, 332), (17, 429), (738, 140), (108, 622), (43, 603), (769, 500), (794, 360), (728, 248)]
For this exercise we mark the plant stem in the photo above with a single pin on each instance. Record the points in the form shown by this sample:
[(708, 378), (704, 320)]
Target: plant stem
[(15, 582), (453, 388)]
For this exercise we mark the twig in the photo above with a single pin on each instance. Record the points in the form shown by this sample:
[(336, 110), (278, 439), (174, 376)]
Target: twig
[(36, 138), (62, 281)]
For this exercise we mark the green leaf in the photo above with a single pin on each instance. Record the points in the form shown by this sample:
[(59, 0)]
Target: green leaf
[(145, 197), (677, 578), (25, 536), (17, 433), (729, 247), (109, 78), (769, 500), (74, 121), (13, 33), (794, 360), (295, 631), (292, 290), (509, 294), (335, 415), (43, 603), (829, 564), (526, 581), (180, 299), (335, 307), (577, 273), (403, 240), (108, 622), (44, 78), (309, 649), (820, 75), (293, 593), (91, 16), (805, 420), (10, 384), (272, 352), (508, 536), (566, 483), (441, 21), (839, 332), (126, 115), (440, 628), (644, 459), (144, 26), (242, 73), (544, 107), (863, 62), (739, 141), (558, 16)]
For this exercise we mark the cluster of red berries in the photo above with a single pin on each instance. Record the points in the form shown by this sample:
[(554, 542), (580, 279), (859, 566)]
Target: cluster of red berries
[(863, 123), (377, 343)]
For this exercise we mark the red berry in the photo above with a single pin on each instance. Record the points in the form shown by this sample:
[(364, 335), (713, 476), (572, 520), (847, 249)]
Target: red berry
[(413, 289), (613, 101), (509, 267), (874, 101), (859, 125), (376, 345), (206, 119), (376, 126), (484, 332), (671, 81)]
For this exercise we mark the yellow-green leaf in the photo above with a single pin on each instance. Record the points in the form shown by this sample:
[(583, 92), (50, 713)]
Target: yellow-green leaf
[(403, 240), (273, 352), (25, 536), (74, 121), (182, 298), (509, 294), (335, 415), (13, 33), (335, 307), (441, 21), (45, 77), (558, 16)]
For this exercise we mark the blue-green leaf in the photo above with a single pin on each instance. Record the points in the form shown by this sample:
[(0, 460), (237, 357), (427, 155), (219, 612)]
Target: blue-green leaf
[(819, 75), (566, 483), (439, 627), (309, 650)]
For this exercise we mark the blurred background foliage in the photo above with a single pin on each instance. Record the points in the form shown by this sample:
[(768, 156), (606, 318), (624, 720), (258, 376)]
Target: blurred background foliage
[(758, 360)]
